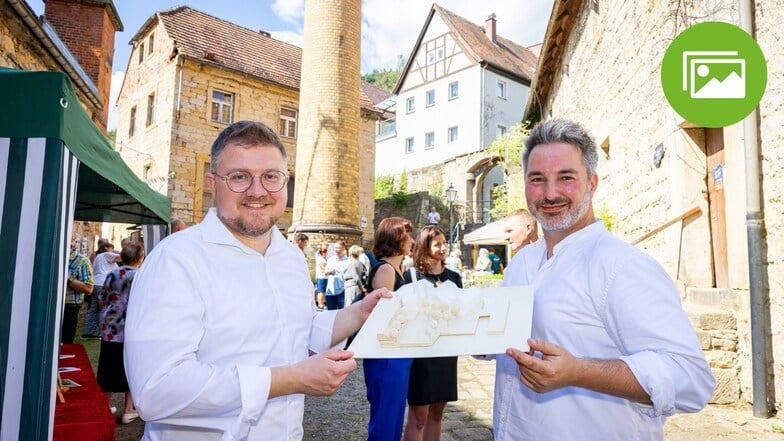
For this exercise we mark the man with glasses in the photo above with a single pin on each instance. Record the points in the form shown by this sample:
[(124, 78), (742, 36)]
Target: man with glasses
[(221, 316)]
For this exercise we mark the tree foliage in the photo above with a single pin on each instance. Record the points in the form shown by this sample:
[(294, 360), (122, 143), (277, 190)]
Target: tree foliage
[(385, 78), (508, 148), (111, 136), (384, 186)]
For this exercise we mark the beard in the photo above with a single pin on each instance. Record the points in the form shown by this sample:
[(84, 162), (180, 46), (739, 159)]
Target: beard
[(564, 221), (253, 227)]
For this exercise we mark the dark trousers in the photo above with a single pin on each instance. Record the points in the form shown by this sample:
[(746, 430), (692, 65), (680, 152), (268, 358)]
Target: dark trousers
[(70, 319), (336, 302)]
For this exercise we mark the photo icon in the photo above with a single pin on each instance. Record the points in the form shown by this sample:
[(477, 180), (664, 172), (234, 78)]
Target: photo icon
[(714, 74)]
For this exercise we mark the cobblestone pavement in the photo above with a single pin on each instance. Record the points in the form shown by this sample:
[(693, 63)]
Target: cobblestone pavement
[(343, 416)]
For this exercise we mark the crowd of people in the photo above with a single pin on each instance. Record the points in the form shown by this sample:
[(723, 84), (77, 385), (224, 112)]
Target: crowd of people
[(222, 330)]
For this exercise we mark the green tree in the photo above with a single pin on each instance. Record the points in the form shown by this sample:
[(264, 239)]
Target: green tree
[(508, 148), (403, 181), (384, 186), (385, 78), (111, 136)]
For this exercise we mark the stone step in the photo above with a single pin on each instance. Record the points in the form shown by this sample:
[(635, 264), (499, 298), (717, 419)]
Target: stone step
[(717, 297), (710, 317)]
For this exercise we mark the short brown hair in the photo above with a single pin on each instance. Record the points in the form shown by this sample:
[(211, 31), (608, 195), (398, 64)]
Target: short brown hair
[(244, 133), (390, 237)]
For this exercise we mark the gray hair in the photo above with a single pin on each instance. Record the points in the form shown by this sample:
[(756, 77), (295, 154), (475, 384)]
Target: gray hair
[(244, 133), (562, 130)]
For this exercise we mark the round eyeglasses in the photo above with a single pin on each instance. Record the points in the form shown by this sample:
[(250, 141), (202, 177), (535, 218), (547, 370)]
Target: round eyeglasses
[(240, 181)]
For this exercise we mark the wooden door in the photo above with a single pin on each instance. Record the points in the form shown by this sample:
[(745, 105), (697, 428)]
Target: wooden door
[(714, 149)]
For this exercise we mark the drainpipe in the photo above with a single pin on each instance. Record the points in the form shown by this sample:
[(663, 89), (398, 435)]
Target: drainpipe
[(761, 348), (180, 69)]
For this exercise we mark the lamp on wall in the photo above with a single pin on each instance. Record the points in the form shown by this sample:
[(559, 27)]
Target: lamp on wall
[(451, 195)]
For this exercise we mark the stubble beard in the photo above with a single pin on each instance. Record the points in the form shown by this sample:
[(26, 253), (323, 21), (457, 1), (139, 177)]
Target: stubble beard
[(566, 220), (244, 228)]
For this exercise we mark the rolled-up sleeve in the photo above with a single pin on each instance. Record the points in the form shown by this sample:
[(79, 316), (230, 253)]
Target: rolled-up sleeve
[(321, 332), (645, 318)]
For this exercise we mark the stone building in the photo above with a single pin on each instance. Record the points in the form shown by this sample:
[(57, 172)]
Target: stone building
[(190, 75), (677, 190), (462, 86), (74, 37)]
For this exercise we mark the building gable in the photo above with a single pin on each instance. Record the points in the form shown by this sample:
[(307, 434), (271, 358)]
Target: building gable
[(464, 37)]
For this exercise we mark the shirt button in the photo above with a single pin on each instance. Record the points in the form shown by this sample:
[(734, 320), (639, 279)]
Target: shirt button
[(503, 419), (508, 379)]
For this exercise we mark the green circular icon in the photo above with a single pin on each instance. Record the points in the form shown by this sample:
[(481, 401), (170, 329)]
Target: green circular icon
[(713, 74)]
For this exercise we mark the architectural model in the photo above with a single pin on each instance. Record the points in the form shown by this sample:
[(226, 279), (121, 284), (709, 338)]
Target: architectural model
[(427, 313)]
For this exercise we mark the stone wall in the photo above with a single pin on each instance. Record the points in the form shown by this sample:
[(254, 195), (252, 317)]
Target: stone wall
[(621, 103)]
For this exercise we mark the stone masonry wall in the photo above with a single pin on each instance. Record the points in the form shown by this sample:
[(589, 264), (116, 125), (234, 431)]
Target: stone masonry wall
[(613, 89), (88, 31), (20, 49)]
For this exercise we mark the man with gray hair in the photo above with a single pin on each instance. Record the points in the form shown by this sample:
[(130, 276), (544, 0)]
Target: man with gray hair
[(612, 352)]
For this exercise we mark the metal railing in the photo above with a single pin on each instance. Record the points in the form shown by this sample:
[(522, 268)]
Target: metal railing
[(684, 216)]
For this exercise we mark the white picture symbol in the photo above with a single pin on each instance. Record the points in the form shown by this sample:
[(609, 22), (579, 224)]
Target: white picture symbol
[(714, 74)]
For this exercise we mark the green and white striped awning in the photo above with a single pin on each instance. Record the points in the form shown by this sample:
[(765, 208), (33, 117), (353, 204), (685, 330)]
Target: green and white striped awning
[(55, 167)]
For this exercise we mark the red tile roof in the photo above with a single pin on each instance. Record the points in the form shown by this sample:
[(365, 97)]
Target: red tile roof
[(504, 54), (215, 41)]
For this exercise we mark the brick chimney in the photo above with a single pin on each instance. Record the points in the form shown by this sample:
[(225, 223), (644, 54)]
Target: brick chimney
[(88, 27), (490, 27)]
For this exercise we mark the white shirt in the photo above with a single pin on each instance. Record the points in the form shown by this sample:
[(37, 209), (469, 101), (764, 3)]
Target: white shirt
[(433, 217), (103, 264), (602, 298), (207, 319), (320, 260)]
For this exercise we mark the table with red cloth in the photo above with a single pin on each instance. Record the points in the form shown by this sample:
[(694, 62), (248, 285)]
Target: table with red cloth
[(85, 415)]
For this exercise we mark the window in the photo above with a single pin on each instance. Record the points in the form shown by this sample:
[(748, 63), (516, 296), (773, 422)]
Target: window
[(132, 122), (410, 104), (434, 55), (150, 43), (451, 134), (385, 128), (430, 98), (453, 90), (430, 140), (146, 172), (150, 109), (410, 145), (501, 89), (288, 123), (501, 130), (141, 53), (222, 107)]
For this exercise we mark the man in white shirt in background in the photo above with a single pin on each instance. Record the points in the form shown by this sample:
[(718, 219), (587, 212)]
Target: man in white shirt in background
[(612, 351), (221, 315), (520, 229), (433, 218)]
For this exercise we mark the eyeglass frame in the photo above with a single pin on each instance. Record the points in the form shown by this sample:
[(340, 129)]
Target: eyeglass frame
[(252, 179)]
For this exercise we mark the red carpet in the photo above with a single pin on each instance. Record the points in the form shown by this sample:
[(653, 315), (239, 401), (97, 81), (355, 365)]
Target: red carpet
[(85, 415)]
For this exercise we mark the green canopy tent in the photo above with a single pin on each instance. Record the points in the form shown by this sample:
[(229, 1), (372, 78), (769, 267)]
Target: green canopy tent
[(55, 167)]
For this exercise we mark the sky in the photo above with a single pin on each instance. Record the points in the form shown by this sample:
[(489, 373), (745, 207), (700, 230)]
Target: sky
[(389, 27)]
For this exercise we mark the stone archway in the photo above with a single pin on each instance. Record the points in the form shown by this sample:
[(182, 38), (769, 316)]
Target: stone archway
[(486, 173)]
